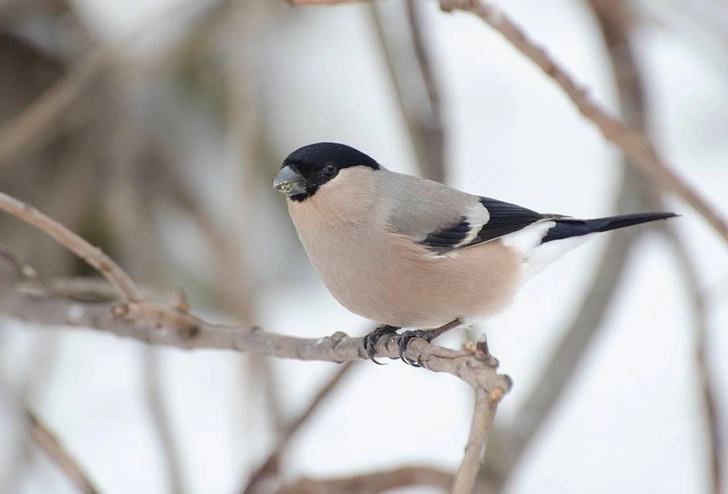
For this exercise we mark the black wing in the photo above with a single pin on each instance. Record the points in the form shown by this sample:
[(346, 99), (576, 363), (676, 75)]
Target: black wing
[(505, 218), (502, 218), (443, 241)]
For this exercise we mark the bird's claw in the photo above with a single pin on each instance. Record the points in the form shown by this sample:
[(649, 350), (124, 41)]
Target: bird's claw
[(371, 340), (405, 339)]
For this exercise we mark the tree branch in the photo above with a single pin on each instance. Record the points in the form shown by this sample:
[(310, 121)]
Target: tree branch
[(40, 307), (372, 483), (46, 441)]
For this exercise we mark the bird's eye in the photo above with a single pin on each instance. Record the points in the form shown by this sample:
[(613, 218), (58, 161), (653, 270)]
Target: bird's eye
[(328, 170)]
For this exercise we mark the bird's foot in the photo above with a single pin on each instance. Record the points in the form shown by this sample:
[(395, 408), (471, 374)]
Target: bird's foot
[(426, 334), (371, 340)]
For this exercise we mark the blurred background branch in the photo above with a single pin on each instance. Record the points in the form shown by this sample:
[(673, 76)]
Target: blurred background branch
[(52, 447)]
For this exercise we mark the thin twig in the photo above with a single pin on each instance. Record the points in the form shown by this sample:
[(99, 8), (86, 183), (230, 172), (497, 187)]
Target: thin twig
[(431, 130), (702, 360), (266, 467), (52, 447), (372, 483), (92, 255), (486, 404)]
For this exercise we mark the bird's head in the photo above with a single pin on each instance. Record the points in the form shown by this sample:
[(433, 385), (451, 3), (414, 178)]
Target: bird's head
[(311, 167)]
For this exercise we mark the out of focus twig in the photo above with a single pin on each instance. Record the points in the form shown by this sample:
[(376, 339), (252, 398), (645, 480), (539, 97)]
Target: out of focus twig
[(52, 447), (372, 483), (24, 270), (706, 377), (431, 138), (92, 255), (265, 469), (418, 97)]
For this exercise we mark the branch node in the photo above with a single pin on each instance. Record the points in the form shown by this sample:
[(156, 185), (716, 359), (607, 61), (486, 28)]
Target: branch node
[(337, 338), (158, 316), (120, 311), (497, 395)]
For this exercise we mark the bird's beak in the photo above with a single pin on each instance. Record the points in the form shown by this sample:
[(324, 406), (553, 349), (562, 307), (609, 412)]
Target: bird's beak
[(289, 182)]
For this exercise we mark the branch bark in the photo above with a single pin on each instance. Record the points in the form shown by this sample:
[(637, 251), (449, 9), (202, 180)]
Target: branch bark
[(40, 307)]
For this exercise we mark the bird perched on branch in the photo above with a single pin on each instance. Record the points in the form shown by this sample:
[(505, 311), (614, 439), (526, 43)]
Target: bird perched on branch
[(407, 252)]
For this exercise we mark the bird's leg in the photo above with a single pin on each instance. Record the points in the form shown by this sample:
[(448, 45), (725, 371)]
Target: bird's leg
[(371, 340), (426, 334)]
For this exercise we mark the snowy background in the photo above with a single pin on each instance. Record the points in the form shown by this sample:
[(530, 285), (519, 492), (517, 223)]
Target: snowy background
[(632, 420)]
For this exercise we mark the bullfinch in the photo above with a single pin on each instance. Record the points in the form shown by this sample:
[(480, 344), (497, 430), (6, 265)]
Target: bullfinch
[(407, 252)]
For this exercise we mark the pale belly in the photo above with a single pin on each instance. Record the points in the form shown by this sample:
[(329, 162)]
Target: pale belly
[(399, 283)]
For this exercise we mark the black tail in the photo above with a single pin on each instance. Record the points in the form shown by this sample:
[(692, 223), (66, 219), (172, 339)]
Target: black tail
[(569, 227)]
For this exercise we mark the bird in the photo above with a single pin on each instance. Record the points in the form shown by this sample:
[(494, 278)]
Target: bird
[(407, 252)]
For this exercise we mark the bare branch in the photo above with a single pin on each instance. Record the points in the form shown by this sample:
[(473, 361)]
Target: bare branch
[(266, 467), (46, 441), (39, 307), (486, 404), (92, 255), (372, 483)]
